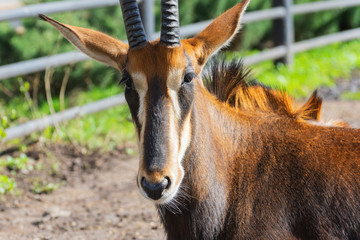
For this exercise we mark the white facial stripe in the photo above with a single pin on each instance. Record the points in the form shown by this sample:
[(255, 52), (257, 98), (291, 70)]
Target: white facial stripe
[(173, 137), (174, 83), (175, 102), (139, 80), (141, 142), (185, 138), (178, 149), (174, 79), (141, 112), (141, 86), (137, 136)]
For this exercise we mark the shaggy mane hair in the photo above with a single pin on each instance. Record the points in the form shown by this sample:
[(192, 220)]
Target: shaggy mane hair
[(232, 84)]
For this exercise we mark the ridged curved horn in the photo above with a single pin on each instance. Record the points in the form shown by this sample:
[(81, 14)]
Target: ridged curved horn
[(134, 28), (170, 30)]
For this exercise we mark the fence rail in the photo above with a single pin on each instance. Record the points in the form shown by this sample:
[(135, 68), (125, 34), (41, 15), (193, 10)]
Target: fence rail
[(51, 120), (40, 64), (283, 12), (53, 7)]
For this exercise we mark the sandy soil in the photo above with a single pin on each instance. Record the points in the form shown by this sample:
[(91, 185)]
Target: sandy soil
[(344, 110), (100, 199)]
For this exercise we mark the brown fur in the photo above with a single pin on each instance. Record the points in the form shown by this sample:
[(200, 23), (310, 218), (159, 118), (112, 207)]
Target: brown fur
[(155, 54), (276, 178)]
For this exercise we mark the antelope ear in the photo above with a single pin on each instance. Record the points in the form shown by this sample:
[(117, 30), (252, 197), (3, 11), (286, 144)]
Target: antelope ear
[(312, 108), (217, 34), (96, 45)]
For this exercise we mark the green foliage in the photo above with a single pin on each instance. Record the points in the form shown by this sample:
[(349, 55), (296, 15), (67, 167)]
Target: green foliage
[(6, 184), (258, 35), (13, 113), (3, 125), (9, 114), (351, 96), (254, 35), (106, 129), (44, 187), (41, 39), (4, 122), (311, 69), (21, 163)]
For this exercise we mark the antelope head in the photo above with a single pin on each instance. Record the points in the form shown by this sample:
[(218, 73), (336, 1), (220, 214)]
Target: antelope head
[(160, 77)]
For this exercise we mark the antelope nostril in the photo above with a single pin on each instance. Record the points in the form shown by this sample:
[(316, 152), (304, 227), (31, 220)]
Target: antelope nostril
[(155, 190)]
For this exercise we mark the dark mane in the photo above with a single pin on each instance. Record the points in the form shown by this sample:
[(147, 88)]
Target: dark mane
[(221, 78), (231, 83)]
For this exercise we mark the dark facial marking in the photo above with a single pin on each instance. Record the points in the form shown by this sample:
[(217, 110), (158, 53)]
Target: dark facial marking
[(186, 91), (132, 98), (156, 133)]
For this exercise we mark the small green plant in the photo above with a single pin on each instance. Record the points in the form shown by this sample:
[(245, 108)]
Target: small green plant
[(54, 168), (130, 151), (6, 184), (21, 163), (3, 125), (44, 187), (6, 117)]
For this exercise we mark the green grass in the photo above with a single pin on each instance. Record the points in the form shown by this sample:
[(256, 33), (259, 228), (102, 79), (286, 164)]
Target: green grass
[(113, 127), (14, 165), (44, 187), (106, 129), (6, 184), (312, 69), (21, 163), (351, 96)]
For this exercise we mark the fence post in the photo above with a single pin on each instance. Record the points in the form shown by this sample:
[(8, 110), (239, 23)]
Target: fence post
[(283, 31), (148, 17)]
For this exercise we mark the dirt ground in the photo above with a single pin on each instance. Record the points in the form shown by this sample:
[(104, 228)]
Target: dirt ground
[(100, 199)]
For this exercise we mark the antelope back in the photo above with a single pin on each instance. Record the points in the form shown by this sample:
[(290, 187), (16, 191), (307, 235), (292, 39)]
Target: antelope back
[(231, 83)]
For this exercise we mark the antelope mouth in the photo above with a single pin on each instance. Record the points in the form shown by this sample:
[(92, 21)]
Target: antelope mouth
[(165, 198), (160, 193)]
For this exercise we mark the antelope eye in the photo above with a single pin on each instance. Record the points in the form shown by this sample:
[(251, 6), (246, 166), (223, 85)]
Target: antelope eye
[(129, 84), (188, 77), (126, 79)]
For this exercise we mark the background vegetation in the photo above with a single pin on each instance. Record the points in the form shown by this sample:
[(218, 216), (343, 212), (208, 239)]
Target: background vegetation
[(25, 97), (41, 39)]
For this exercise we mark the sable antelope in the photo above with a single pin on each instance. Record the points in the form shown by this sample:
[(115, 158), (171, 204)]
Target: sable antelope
[(215, 167)]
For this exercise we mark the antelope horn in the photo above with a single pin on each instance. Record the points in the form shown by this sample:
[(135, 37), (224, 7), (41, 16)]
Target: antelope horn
[(134, 28), (170, 31)]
